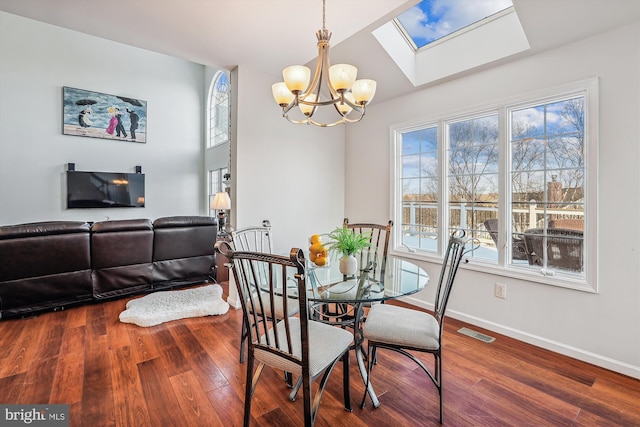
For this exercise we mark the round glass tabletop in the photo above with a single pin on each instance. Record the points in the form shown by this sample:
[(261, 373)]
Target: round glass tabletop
[(376, 279)]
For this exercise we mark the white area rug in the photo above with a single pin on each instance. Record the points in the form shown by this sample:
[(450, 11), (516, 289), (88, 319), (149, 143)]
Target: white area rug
[(160, 307)]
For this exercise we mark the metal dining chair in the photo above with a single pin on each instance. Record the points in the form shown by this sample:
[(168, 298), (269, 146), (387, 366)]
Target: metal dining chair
[(405, 330), (258, 239), (297, 344), (379, 238)]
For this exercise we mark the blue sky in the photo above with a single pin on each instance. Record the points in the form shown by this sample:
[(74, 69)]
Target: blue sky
[(431, 20)]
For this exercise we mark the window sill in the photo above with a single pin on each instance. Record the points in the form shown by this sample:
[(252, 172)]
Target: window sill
[(563, 280)]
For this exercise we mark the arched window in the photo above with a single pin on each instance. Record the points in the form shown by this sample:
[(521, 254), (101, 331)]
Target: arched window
[(219, 110)]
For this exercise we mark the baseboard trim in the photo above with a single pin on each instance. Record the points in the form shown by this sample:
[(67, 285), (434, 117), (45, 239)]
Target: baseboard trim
[(557, 347)]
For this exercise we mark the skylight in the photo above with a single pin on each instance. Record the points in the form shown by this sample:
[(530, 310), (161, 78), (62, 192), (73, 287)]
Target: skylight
[(455, 36), (431, 20)]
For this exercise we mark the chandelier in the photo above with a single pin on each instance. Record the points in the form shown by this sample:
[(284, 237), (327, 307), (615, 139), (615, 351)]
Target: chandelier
[(343, 91)]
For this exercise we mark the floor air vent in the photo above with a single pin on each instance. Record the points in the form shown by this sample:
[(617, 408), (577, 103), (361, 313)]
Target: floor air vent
[(476, 335)]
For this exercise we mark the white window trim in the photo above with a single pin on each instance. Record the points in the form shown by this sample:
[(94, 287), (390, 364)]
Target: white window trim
[(588, 88), (212, 88)]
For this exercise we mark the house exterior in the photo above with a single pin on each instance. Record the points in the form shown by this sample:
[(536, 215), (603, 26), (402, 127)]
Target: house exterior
[(305, 179)]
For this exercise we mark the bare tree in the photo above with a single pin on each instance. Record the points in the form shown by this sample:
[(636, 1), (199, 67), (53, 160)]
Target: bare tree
[(473, 150)]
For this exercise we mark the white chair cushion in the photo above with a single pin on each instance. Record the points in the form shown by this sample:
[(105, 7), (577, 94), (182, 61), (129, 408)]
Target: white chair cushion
[(292, 306), (326, 344), (402, 326)]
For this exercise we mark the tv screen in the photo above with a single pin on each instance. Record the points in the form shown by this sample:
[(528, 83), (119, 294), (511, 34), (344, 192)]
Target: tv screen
[(105, 190)]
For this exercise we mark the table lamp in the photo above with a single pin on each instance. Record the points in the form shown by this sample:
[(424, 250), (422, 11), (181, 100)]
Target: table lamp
[(221, 201)]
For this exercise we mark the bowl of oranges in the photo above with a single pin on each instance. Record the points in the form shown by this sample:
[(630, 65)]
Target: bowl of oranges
[(318, 254)]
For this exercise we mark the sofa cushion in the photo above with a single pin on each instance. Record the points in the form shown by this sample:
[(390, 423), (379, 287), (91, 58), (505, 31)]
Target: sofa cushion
[(183, 237), (42, 249), (121, 242)]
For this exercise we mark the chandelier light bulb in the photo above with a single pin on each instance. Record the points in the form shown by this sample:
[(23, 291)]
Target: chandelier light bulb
[(364, 90), (282, 94), (343, 107), (342, 76), (296, 77), (307, 109)]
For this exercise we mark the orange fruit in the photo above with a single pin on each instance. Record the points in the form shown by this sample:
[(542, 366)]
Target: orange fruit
[(315, 239), (320, 261), (316, 248), (312, 256)]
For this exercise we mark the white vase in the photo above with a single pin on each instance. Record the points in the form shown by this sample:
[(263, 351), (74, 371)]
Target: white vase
[(348, 265)]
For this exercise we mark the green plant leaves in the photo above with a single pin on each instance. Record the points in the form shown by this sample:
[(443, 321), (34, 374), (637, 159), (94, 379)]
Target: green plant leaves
[(347, 241)]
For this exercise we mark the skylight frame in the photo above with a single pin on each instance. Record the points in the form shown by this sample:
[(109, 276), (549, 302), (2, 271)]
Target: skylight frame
[(409, 39)]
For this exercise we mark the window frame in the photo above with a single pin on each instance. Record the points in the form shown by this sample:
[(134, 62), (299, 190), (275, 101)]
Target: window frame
[(217, 175), (212, 111), (588, 280)]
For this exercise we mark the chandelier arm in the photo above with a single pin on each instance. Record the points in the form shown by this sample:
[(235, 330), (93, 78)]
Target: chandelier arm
[(357, 107), (310, 121), (325, 125), (326, 64), (295, 122), (348, 120), (323, 45), (336, 123), (333, 101), (292, 104)]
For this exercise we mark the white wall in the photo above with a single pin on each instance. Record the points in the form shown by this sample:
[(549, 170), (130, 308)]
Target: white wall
[(292, 175), (601, 328), (36, 61)]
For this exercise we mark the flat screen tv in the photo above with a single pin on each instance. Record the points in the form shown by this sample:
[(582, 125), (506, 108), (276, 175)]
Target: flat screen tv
[(104, 190)]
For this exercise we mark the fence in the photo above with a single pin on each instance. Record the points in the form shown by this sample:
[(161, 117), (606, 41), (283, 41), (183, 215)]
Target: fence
[(422, 216)]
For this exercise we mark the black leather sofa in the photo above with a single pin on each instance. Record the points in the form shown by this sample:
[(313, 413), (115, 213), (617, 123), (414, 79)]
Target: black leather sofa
[(53, 265)]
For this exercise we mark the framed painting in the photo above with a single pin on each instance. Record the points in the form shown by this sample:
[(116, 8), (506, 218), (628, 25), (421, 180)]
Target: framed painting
[(98, 115)]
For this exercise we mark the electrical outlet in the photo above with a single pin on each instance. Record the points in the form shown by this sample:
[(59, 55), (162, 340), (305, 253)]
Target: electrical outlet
[(500, 291)]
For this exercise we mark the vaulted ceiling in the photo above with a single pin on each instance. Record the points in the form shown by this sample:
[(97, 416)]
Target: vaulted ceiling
[(270, 34)]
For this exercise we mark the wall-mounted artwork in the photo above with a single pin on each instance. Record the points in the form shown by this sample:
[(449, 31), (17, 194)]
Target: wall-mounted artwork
[(98, 115)]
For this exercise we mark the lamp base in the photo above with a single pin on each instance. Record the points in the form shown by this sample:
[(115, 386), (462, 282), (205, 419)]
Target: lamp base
[(222, 217)]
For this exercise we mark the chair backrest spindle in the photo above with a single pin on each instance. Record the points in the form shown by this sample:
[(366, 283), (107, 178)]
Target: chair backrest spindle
[(451, 262), (379, 237)]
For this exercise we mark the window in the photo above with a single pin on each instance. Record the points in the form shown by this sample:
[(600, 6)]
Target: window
[(217, 184), (532, 179), (431, 20), (219, 110), (437, 30), (419, 183), (547, 182), (473, 176)]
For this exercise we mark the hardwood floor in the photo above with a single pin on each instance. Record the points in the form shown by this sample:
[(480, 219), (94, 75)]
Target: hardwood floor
[(186, 373)]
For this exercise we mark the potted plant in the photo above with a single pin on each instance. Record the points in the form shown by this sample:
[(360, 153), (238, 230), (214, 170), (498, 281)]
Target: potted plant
[(347, 243)]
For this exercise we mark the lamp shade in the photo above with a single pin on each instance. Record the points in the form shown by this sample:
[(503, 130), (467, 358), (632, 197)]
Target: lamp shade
[(282, 94), (342, 76), (296, 77), (221, 201), (306, 109), (343, 107), (364, 90)]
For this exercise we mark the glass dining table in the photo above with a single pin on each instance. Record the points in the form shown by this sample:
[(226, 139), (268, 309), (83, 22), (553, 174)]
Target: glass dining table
[(340, 300)]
